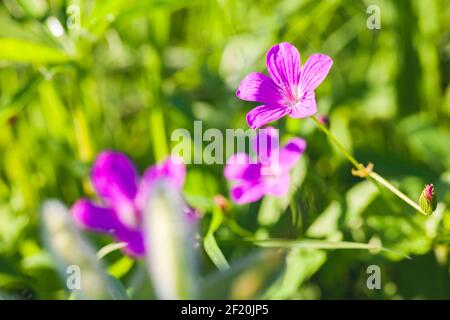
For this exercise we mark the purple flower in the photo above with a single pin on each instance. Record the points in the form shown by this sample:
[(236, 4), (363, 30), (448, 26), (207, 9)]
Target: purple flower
[(124, 197), (254, 179), (289, 89)]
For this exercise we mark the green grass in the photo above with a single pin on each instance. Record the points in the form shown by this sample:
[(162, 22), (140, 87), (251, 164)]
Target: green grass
[(136, 70)]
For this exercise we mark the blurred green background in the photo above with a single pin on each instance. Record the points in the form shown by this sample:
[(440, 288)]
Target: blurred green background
[(77, 77)]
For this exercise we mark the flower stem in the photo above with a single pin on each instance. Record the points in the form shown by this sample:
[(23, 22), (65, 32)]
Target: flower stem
[(375, 176), (337, 143), (395, 191)]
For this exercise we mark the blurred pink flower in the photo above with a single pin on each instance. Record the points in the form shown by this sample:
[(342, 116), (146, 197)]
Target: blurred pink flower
[(254, 179), (124, 196)]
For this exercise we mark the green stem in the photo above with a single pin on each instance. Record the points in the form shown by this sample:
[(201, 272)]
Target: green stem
[(375, 176), (294, 218), (236, 228), (337, 143), (395, 191), (160, 148)]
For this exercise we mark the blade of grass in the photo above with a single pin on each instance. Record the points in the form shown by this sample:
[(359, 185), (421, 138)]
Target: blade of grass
[(308, 244), (12, 105), (16, 50), (210, 244)]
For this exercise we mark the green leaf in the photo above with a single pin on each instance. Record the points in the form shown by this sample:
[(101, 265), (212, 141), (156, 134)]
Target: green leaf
[(11, 105), (210, 244), (301, 264), (200, 202), (121, 267), (17, 50), (358, 198), (327, 222), (418, 131), (56, 115)]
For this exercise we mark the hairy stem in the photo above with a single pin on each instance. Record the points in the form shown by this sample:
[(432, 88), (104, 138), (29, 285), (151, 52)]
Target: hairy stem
[(373, 175)]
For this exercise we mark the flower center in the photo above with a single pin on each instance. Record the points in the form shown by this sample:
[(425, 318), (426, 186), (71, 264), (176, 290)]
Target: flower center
[(294, 97)]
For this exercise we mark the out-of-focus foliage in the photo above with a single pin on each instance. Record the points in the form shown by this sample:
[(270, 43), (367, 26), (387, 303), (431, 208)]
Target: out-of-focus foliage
[(77, 77)]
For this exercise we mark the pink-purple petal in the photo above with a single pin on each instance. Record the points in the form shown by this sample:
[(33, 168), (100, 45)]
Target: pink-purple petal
[(236, 165), (172, 169), (192, 215), (304, 108), (291, 153), (247, 192), (100, 219), (114, 177), (175, 168), (239, 167), (314, 71), (284, 66), (94, 217), (277, 185), (134, 240), (264, 114), (265, 141), (258, 87)]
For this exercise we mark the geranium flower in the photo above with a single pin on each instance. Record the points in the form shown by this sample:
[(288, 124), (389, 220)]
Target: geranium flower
[(269, 174), (123, 197), (290, 88)]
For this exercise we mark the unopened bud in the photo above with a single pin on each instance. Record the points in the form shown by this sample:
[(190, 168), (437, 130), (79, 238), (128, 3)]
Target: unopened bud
[(324, 120), (222, 202), (427, 200)]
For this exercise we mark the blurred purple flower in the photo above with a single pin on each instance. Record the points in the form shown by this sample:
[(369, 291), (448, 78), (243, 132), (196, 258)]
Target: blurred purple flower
[(289, 89), (254, 179), (124, 197)]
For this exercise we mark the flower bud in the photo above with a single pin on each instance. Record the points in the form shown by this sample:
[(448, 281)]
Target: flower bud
[(427, 200), (324, 120), (222, 202)]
